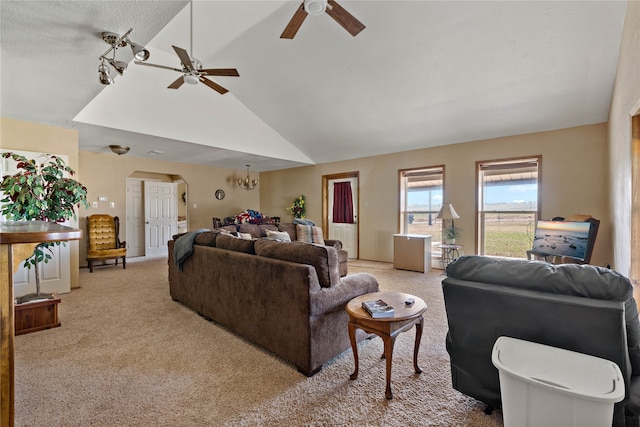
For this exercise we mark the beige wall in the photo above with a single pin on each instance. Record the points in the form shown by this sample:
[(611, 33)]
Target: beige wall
[(625, 102), (574, 181), (106, 174), (19, 135)]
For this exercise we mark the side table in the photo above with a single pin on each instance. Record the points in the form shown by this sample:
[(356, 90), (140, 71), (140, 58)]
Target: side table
[(388, 328), (449, 253)]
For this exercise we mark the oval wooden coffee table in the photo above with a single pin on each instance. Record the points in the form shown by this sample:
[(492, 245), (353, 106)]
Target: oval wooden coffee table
[(388, 328)]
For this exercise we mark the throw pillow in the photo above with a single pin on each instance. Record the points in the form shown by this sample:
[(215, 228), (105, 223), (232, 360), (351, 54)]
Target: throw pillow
[(316, 235), (309, 234), (303, 233), (281, 236)]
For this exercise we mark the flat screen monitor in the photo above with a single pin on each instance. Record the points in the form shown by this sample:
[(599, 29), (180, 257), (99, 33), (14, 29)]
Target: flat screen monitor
[(562, 238)]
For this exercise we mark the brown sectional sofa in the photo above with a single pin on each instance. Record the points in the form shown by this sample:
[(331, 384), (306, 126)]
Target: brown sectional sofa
[(259, 230), (288, 298)]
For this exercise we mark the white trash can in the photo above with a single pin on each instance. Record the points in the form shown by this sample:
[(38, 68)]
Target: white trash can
[(548, 386)]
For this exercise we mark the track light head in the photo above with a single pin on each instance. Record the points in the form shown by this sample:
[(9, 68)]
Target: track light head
[(119, 66), (104, 74), (140, 53)]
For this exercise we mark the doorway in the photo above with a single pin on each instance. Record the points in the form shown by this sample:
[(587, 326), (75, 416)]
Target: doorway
[(345, 230), (152, 207)]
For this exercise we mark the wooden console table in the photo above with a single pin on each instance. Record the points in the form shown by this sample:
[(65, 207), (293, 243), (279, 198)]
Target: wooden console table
[(17, 241)]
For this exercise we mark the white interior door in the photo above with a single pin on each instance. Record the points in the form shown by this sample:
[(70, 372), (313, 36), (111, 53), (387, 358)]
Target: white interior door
[(135, 218), (55, 275), (346, 233), (161, 220)]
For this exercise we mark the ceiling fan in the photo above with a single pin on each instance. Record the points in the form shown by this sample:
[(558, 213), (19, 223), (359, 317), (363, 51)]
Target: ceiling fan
[(318, 7), (193, 72), (192, 68)]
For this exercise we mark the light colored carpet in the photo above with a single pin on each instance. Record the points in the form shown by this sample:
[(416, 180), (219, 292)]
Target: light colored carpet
[(127, 355)]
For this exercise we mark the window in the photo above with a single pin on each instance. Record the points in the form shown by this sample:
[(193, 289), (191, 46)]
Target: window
[(508, 205), (420, 201)]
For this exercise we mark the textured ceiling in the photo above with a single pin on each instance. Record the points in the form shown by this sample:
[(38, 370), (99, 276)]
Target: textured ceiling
[(422, 74)]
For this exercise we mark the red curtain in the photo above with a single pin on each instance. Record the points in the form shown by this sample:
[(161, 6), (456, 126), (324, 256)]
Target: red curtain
[(342, 203)]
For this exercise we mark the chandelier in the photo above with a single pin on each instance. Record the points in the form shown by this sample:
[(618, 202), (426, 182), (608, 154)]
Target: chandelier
[(247, 183)]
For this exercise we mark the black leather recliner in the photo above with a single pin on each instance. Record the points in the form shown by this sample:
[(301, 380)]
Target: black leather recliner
[(581, 308)]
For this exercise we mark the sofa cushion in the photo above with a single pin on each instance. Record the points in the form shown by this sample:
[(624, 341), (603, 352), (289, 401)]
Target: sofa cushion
[(252, 229), (207, 238), (232, 243), (281, 236), (289, 228), (265, 227), (229, 228), (323, 258), (567, 279)]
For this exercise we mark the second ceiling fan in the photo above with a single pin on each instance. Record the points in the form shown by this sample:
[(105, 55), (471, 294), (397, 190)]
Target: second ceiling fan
[(318, 7)]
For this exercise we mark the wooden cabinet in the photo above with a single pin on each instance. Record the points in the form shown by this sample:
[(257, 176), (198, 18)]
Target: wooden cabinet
[(412, 252), (36, 316)]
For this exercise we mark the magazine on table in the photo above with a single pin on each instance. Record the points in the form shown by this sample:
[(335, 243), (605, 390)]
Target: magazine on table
[(378, 309)]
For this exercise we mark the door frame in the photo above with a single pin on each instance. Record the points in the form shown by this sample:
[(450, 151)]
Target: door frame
[(325, 204)]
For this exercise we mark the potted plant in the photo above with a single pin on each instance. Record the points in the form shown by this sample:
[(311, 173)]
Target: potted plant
[(40, 191), (298, 209), (450, 234)]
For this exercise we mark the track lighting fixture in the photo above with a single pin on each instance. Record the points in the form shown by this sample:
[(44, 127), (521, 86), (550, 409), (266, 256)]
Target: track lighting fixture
[(140, 53)]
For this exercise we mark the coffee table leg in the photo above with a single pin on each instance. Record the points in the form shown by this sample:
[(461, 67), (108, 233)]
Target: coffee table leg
[(354, 347), (388, 352), (419, 326)]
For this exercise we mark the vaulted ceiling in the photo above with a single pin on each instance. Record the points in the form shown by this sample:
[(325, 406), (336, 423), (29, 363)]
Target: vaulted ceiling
[(421, 74)]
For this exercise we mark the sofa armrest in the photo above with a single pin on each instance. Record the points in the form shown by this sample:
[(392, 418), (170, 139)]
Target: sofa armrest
[(326, 300), (333, 243)]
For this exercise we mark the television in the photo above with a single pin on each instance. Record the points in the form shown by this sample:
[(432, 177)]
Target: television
[(572, 239)]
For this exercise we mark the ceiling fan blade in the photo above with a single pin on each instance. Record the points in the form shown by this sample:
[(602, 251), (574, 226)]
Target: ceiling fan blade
[(344, 18), (232, 72), (176, 84), (184, 58), (157, 66), (213, 85), (295, 23)]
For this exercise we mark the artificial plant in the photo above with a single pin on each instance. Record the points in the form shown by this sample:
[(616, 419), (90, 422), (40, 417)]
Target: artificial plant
[(298, 209), (451, 233), (40, 191)]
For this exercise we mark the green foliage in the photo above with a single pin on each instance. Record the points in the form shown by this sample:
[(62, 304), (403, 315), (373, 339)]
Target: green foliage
[(40, 191), (451, 232), (298, 208)]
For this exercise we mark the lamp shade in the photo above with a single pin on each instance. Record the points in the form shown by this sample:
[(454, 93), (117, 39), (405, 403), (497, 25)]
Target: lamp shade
[(447, 212)]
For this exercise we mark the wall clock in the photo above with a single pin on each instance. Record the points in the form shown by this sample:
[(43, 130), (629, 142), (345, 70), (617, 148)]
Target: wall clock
[(219, 194)]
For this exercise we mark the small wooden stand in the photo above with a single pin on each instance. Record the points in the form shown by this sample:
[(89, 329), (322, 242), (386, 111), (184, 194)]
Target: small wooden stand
[(37, 316)]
